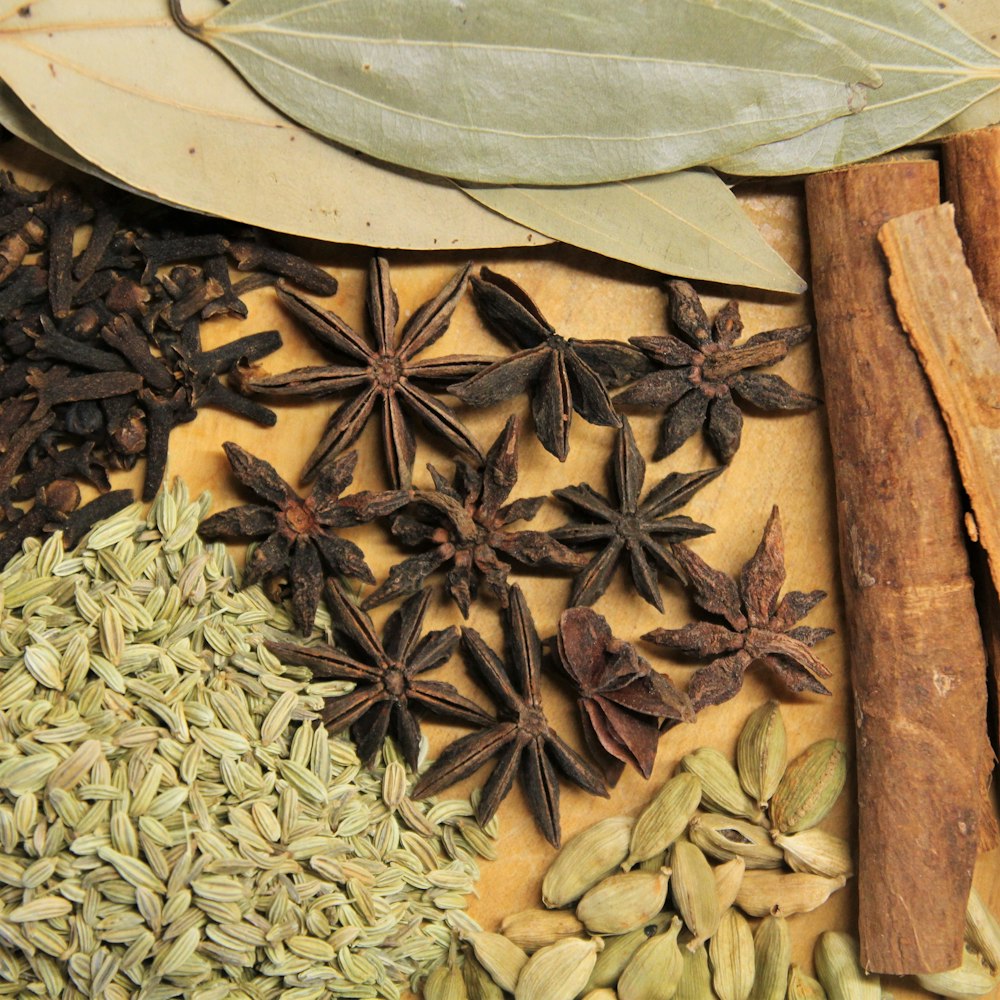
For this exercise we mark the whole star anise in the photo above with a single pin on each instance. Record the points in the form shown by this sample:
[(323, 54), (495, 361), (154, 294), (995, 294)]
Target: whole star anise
[(300, 535), (703, 369), (624, 526), (387, 375), (388, 690), (466, 521), (521, 739), (562, 374), (622, 700), (758, 627)]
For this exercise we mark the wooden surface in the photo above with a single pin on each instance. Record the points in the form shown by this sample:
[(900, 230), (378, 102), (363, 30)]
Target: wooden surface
[(784, 459)]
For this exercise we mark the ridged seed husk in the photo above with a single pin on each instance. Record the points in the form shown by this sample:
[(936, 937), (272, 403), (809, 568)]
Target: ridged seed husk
[(811, 785), (971, 979), (586, 859), (772, 945), (445, 983), (694, 891), (664, 819), (534, 929), (696, 979), (803, 987), (721, 790), (764, 892), (601, 994), (655, 969), (500, 957), (762, 753), (728, 879), (623, 902), (982, 930), (724, 838), (479, 984), (557, 972), (816, 852), (732, 957), (838, 966), (618, 951)]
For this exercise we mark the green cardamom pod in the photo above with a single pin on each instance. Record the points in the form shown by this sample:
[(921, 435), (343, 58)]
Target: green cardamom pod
[(803, 987), (618, 950), (534, 929), (838, 966), (724, 838), (728, 879), (445, 983), (559, 971), (501, 958), (732, 958), (970, 979), (694, 891), (810, 787), (772, 947), (664, 819), (982, 930), (762, 753), (696, 979), (601, 994), (721, 790), (655, 969), (764, 892), (816, 852), (624, 901), (478, 982), (585, 860)]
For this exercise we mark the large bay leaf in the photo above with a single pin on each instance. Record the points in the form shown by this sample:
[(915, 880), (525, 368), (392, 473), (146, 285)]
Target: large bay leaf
[(931, 69), (540, 91), (133, 95), (687, 223)]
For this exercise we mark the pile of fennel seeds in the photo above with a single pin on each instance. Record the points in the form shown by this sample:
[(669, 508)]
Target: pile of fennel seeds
[(174, 821)]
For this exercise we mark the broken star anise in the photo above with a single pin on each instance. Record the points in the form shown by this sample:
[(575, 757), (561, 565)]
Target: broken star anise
[(562, 374), (467, 522), (387, 374), (300, 536), (388, 691), (622, 700), (703, 369), (758, 627), (644, 531), (521, 739)]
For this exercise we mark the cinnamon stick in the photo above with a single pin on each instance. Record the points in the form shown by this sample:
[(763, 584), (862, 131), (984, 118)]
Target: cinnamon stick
[(917, 660)]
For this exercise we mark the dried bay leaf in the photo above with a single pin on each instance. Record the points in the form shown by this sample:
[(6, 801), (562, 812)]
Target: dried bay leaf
[(687, 224), (931, 69), (523, 92), (140, 100)]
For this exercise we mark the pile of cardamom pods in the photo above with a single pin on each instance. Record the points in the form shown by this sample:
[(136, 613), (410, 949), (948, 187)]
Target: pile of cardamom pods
[(635, 910)]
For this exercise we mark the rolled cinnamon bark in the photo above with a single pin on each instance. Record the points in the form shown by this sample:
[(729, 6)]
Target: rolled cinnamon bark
[(917, 660)]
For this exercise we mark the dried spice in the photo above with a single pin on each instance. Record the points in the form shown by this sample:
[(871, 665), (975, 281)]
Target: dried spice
[(388, 690), (758, 628), (701, 371), (300, 535), (562, 374), (622, 525), (622, 700), (100, 349), (521, 739), (387, 373), (467, 522)]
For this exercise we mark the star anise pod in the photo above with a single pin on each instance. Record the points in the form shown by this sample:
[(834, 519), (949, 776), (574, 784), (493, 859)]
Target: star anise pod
[(521, 739), (703, 369), (300, 535), (467, 522), (562, 374), (388, 690), (387, 374), (622, 700), (622, 525), (758, 627)]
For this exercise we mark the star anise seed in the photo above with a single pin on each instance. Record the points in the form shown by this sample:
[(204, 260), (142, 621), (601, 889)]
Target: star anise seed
[(521, 739), (758, 627), (623, 526), (388, 690), (300, 535), (622, 700), (467, 521), (387, 374), (562, 374), (701, 371)]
